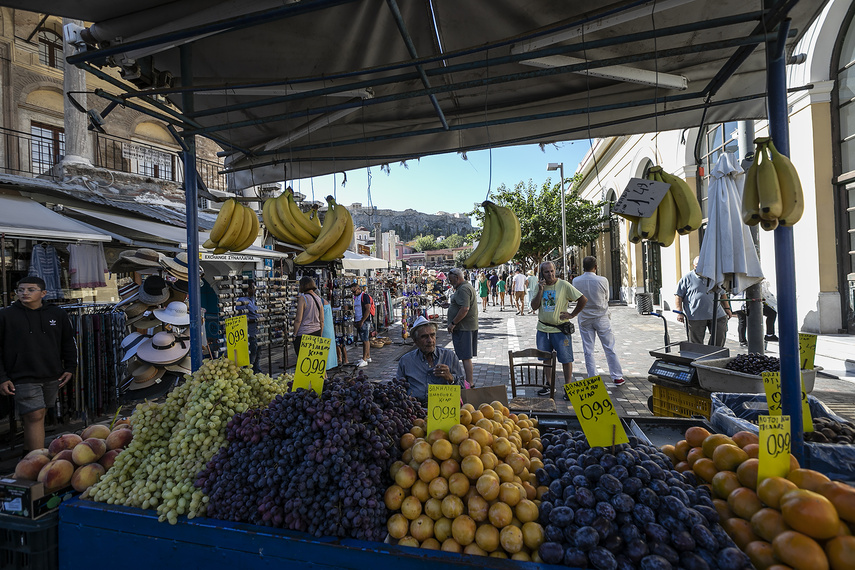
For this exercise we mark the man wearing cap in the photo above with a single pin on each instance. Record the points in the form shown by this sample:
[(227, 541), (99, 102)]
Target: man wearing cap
[(463, 321), (362, 321), (248, 301), (38, 356), (428, 364)]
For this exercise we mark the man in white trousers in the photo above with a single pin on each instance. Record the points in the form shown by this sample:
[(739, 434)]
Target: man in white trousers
[(594, 320)]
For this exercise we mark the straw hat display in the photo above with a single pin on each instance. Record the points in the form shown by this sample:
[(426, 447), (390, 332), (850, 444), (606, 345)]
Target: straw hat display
[(183, 366), (154, 290), (130, 344), (135, 260), (145, 375), (134, 311), (146, 321), (177, 266), (163, 348), (174, 313)]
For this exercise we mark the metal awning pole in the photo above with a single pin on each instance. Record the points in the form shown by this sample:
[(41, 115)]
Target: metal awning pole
[(791, 385), (194, 280)]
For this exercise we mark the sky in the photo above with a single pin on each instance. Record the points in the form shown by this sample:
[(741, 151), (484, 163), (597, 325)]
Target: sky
[(447, 182)]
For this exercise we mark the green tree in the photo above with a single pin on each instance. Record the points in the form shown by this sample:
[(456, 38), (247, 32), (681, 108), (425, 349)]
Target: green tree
[(461, 256), (426, 243), (539, 212), (452, 241)]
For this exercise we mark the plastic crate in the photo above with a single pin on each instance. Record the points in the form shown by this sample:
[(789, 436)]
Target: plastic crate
[(670, 403), (27, 544)]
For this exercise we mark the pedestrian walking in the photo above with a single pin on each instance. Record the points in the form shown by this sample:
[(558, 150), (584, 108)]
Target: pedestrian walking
[(484, 290), (520, 285)]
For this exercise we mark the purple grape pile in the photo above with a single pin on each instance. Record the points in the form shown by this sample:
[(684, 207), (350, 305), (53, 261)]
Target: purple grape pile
[(625, 510), (314, 464), (754, 363)]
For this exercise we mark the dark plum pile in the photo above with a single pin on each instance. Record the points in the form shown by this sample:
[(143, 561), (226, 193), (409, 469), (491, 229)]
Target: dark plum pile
[(754, 363), (625, 510), (314, 464)]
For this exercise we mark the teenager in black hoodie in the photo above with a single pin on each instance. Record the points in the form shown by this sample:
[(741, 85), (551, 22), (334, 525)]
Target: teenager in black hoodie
[(37, 356)]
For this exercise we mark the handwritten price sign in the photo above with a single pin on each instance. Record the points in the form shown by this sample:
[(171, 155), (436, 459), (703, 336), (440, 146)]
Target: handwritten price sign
[(595, 411), (443, 406), (311, 363), (774, 454), (772, 385), (807, 350), (641, 197), (237, 341)]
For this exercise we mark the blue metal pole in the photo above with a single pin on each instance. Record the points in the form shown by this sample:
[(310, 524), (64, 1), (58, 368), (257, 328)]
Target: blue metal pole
[(785, 263), (194, 280)]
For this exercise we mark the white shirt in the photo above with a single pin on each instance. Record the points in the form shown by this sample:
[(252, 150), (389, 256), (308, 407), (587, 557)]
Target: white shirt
[(519, 282), (596, 289)]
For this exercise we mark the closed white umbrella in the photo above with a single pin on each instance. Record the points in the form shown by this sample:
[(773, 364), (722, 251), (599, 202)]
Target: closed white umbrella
[(727, 253)]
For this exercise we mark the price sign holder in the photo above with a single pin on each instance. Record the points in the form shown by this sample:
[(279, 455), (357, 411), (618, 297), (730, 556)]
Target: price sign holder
[(237, 340), (641, 197), (311, 363), (774, 453), (443, 409), (807, 350), (772, 385), (596, 413)]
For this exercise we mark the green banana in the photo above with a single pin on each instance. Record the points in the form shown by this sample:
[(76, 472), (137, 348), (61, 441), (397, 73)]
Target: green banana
[(634, 236), (769, 225), (647, 226), (667, 218), (792, 196), (511, 234), (685, 201), (768, 188)]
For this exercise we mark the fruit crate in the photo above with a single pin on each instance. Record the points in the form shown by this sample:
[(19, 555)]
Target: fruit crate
[(713, 376), (29, 544), (672, 403)]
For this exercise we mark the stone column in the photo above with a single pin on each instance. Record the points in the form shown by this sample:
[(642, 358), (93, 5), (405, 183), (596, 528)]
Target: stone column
[(78, 146)]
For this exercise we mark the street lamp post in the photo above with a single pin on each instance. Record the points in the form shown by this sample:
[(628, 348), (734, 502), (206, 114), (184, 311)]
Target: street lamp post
[(560, 167)]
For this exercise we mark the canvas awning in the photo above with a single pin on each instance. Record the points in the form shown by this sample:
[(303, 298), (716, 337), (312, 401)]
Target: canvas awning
[(356, 261), (23, 218), (303, 88)]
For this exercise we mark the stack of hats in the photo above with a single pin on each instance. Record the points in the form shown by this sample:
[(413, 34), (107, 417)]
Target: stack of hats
[(153, 357)]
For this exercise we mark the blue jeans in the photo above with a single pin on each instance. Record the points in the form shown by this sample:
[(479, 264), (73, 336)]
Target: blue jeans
[(559, 342)]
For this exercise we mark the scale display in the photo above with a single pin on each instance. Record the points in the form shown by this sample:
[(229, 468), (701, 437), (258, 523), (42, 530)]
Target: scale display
[(678, 372)]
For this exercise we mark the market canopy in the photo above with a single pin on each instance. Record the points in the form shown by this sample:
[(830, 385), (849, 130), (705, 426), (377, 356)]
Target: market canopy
[(356, 261), (23, 218), (302, 88)]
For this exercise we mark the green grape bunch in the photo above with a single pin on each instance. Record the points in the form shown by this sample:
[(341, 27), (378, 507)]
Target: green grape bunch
[(175, 439)]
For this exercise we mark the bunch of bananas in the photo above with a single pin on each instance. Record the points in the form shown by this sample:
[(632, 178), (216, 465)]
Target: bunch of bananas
[(678, 213), (772, 194), (235, 229), (334, 237), (284, 219), (500, 237)]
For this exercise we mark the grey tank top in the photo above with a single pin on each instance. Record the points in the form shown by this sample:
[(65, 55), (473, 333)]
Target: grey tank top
[(311, 314)]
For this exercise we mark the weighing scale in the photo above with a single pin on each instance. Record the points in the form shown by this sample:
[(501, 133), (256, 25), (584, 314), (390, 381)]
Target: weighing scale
[(677, 366)]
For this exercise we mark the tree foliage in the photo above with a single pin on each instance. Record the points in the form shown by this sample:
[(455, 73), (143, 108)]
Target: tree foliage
[(452, 241), (430, 243), (539, 212)]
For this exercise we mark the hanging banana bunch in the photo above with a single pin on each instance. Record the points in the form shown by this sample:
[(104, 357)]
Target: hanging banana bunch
[(334, 237), (772, 194), (678, 213), (500, 237), (235, 229)]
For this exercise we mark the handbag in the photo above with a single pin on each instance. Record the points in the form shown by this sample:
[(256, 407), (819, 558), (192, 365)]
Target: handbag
[(565, 328)]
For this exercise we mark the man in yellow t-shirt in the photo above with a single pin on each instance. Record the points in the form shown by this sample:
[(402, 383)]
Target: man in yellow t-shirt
[(551, 299)]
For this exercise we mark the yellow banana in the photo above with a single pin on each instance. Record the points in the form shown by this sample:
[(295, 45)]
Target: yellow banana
[(634, 236), (224, 218), (283, 211), (235, 229), (667, 218), (768, 188), (274, 224), (209, 244), (511, 235), (301, 218), (647, 226), (333, 228), (245, 228), (750, 196), (791, 188), (220, 250), (339, 247), (769, 225), (305, 258), (251, 230), (685, 200), (315, 216), (496, 238), (487, 234)]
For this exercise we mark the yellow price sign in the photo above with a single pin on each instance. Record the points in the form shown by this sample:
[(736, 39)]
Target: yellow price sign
[(311, 363), (772, 386), (237, 340), (595, 411), (443, 409), (807, 350), (774, 454)]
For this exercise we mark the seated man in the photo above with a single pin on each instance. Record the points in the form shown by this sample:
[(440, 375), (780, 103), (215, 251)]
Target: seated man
[(428, 364)]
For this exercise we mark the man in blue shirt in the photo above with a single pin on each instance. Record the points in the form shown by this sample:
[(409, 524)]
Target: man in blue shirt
[(695, 304), (428, 364)]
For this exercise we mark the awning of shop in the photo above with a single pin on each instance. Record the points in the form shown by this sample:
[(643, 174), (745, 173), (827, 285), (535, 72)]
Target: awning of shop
[(23, 218), (130, 230), (356, 261)]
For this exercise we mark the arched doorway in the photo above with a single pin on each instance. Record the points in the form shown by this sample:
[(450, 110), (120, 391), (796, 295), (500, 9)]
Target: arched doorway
[(616, 275)]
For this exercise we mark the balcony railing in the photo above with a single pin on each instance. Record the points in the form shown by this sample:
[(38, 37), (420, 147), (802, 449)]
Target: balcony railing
[(26, 154)]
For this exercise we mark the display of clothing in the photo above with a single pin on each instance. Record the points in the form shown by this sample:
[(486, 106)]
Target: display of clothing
[(329, 332), (87, 266), (44, 263)]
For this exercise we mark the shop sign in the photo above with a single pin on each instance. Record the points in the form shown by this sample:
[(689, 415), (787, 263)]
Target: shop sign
[(443, 406), (641, 197), (311, 363), (772, 386), (596, 412), (227, 257), (237, 341), (774, 453)]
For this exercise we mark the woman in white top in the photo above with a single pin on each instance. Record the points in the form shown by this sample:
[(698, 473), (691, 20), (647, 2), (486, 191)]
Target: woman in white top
[(310, 312)]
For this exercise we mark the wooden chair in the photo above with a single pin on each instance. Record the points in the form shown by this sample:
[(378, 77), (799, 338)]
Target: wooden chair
[(529, 369)]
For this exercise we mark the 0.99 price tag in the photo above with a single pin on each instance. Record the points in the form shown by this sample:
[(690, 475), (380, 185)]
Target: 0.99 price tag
[(774, 450), (807, 350), (311, 363), (443, 409), (595, 411), (237, 340), (772, 386)]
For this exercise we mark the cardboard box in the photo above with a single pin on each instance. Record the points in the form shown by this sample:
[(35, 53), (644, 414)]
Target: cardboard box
[(28, 498)]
